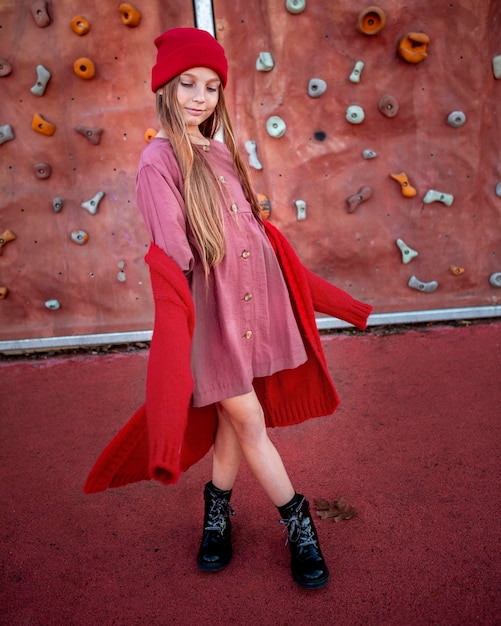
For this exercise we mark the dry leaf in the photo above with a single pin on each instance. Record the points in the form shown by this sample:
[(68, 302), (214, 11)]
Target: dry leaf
[(339, 510)]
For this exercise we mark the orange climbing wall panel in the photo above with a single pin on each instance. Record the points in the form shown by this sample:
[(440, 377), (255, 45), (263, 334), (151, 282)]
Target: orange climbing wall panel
[(318, 159), (43, 263)]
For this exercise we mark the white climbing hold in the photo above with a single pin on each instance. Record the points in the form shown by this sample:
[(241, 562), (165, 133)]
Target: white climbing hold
[(407, 253), (369, 154), (419, 285), (355, 114), (496, 66), (356, 72), (438, 196), (92, 205), (265, 62), (456, 119), (251, 148), (295, 6), (301, 209), (43, 77), (495, 279), (276, 127), (6, 133), (53, 305), (498, 190)]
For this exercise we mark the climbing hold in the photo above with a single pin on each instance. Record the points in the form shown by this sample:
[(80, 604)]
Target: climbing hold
[(5, 67), (84, 68), (57, 205), (498, 190), (495, 279), (251, 148), (80, 25), (5, 237), (43, 77), (402, 179), (356, 72), (149, 133), (316, 87), (80, 237), (407, 253), (92, 205), (92, 134), (369, 154), (388, 105), (40, 13), (42, 126), (42, 170), (3, 293), (265, 62), (456, 119), (53, 305), (301, 209), (355, 114), (264, 205), (496, 66), (419, 285), (438, 196), (6, 133), (357, 198), (121, 274), (130, 15), (275, 126), (413, 47), (371, 21), (456, 271), (295, 6)]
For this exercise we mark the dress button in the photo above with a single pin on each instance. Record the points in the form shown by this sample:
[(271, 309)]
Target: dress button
[(248, 297), (234, 208), (245, 254), (222, 179), (248, 334)]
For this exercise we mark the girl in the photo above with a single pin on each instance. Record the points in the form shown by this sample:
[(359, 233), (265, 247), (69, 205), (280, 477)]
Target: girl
[(235, 347)]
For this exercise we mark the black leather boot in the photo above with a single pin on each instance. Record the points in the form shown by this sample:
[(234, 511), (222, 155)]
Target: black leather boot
[(307, 563), (215, 548)]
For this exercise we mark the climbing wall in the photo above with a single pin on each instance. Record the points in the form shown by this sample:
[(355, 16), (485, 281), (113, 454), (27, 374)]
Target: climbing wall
[(316, 84), (373, 134), (74, 269)]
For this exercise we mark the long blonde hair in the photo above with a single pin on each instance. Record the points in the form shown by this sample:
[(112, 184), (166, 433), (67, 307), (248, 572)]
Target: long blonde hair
[(201, 187)]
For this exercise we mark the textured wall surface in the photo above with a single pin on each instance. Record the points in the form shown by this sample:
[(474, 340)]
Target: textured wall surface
[(103, 286)]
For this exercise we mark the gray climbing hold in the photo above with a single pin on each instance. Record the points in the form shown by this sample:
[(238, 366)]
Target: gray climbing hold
[(407, 253), (456, 119), (121, 277), (498, 189), (438, 196), (57, 205), (495, 279), (355, 114), (301, 209), (92, 205), (419, 285), (496, 66), (316, 87), (295, 6), (92, 134), (369, 154), (6, 133), (357, 72), (276, 127), (251, 148), (53, 305), (265, 62), (43, 77)]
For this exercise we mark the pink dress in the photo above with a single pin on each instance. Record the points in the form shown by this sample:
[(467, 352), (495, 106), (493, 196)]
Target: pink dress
[(244, 327)]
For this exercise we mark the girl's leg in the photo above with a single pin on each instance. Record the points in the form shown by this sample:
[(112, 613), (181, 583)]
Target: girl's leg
[(245, 416), (227, 455)]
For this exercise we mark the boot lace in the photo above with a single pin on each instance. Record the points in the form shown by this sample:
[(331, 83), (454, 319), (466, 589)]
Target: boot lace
[(218, 515), (299, 530)]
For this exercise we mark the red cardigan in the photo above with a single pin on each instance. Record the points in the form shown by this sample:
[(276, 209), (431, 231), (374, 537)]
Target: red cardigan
[(166, 435)]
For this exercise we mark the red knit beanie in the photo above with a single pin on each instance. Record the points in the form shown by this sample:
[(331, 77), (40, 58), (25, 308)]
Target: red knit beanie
[(180, 49)]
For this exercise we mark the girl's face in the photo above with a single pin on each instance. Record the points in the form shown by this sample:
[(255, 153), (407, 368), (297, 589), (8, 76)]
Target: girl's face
[(198, 95)]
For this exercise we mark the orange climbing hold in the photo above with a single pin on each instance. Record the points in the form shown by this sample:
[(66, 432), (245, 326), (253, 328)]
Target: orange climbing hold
[(5, 237), (264, 205), (84, 68), (3, 293), (403, 180), (371, 21), (413, 47), (42, 126), (130, 15), (149, 134), (80, 25), (456, 271)]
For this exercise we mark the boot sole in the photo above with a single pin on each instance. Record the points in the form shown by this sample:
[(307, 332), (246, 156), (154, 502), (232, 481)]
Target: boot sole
[(316, 584), (212, 567)]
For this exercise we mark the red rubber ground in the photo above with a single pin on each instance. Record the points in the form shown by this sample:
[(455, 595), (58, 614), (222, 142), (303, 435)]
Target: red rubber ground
[(415, 448)]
